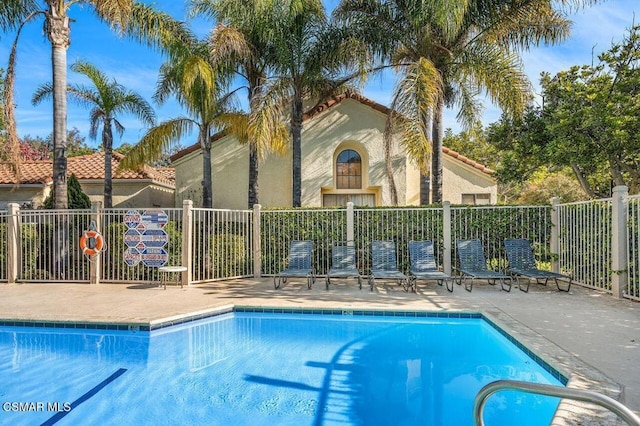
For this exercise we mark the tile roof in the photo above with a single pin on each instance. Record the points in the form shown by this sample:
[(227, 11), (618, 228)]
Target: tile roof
[(334, 101), (466, 160), (85, 167)]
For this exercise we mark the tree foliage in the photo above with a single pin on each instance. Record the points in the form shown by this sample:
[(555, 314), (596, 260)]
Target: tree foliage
[(77, 198), (589, 124), (447, 53), (593, 113)]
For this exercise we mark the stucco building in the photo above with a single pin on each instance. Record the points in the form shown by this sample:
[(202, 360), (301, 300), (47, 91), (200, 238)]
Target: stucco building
[(342, 161), (147, 187)]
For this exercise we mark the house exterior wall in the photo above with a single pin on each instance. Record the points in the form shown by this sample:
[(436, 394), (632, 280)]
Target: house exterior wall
[(24, 194), (131, 194), (348, 125), (459, 178), (230, 177), (353, 126)]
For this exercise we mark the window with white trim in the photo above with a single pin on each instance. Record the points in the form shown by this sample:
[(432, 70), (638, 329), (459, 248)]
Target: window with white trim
[(476, 199), (349, 170)]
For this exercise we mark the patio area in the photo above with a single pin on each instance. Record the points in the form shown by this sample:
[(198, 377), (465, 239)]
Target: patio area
[(587, 335)]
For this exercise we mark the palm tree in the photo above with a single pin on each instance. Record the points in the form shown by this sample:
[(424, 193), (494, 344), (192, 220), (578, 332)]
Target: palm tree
[(449, 52), (285, 52), (129, 17), (107, 99), (13, 15), (13, 12), (243, 38), (198, 84), (299, 55)]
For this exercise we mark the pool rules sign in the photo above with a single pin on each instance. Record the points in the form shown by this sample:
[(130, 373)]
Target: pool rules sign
[(146, 238)]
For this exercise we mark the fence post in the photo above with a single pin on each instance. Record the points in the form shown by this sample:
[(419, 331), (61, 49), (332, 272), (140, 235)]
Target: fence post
[(619, 264), (350, 233), (257, 247), (554, 244), (187, 240), (446, 236), (13, 243), (95, 265)]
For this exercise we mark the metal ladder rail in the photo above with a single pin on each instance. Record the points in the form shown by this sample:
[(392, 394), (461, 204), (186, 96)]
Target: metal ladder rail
[(579, 395)]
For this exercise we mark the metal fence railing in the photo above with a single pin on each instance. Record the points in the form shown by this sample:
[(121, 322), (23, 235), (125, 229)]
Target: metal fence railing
[(128, 258), (3, 245), (399, 225), (633, 247), (221, 244), (324, 227), (493, 224), (584, 233), (49, 250)]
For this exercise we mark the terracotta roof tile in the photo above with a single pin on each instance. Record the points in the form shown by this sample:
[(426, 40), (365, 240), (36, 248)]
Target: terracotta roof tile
[(195, 147), (85, 167), (466, 160), (336, 100)]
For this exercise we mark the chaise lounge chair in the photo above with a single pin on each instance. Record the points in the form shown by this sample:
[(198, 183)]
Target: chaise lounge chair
[(299, 264), (343, 264), (473, 265), (522, 263), (423, 265), (384, 266)]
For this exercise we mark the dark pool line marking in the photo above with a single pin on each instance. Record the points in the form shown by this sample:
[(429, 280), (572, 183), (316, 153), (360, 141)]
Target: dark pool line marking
[(58, 416)]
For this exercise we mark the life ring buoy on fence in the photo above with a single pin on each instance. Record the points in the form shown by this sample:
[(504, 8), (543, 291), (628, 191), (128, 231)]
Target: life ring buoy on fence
[(91, 242)]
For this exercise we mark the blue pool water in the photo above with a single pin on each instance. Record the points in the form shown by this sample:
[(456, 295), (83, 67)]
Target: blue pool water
[(270, 369)]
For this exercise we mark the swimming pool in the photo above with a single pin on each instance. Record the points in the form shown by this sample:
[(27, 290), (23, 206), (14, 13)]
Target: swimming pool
[(269, 368)]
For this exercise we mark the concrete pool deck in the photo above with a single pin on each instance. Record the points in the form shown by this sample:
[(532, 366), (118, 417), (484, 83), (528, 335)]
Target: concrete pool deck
[(587, 335)]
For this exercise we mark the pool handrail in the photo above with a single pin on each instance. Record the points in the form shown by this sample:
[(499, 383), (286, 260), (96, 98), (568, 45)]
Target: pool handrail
[(558, 391)]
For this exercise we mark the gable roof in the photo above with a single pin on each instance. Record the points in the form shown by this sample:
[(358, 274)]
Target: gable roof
[(467, 161), (85, 167), (332, 102)]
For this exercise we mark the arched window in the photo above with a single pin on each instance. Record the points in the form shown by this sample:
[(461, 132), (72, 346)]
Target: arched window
[(349, 170)]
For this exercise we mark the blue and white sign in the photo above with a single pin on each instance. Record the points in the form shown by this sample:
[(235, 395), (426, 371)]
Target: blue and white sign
[(146, 238), (132, 237), (131, 256), (154, 219), (154, 237), (132, 219), (154, 257)]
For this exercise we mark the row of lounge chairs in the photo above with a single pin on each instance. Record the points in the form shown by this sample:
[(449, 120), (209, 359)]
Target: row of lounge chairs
[(472, 265)]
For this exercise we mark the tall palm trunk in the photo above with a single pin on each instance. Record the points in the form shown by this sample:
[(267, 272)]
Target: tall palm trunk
[(253, 175), (107, 145), (425, 189), (205, 143), (254, 155), (296, 142), (425, 178), (436, 154), (59, 34)]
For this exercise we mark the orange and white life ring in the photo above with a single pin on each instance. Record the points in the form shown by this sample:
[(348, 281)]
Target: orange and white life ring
[(91, 242)]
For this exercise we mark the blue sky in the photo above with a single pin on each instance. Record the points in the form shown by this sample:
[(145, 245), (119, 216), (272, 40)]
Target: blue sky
[(136, 66)]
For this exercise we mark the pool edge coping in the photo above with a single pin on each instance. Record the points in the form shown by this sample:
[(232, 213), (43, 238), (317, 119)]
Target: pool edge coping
[(575, 373)]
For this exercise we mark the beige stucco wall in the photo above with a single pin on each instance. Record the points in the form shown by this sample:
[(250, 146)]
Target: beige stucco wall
[(230, 177), (348, 125), (126, 193), (131, 194), (457, 178), (24, 194)]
